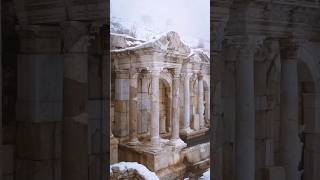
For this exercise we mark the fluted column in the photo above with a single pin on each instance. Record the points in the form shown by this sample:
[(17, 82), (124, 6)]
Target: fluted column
[(154, 130), (186, 104), (175, 139), (133, 98), (200, 101), (245, 110), (290, 153)]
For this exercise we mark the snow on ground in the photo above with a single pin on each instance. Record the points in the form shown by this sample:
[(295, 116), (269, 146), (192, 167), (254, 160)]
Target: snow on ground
[(141, 169), (205, 176)]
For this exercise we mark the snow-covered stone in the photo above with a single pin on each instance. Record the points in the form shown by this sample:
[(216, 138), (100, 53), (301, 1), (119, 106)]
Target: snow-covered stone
[(131, 169)]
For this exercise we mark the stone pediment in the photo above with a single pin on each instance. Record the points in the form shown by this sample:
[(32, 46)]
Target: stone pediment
[(199, 56), (169, 42)]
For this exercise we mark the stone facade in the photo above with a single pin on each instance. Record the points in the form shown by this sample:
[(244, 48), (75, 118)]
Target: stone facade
[(264, 71), (160, 96)]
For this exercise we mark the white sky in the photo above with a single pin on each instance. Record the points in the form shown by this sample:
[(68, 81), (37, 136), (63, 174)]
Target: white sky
[(190, 18)]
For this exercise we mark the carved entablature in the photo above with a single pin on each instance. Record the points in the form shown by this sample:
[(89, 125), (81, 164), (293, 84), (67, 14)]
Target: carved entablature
[(275, 18), (164, 51)]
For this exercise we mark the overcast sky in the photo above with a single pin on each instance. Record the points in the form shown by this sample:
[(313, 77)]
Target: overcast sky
[(187, 17)]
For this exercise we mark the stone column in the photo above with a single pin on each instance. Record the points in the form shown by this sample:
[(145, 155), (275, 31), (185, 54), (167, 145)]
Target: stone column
[(207, 114), (245, 110), (133, 100), (289, 104), (200, 101), (154, 130), (75, 104), (186, 104), (175, 139)]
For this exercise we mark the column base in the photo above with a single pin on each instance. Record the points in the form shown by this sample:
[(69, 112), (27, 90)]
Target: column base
[(177, 143), (186, 131), (134, 142)]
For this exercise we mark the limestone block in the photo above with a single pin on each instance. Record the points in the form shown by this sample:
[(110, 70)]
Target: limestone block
[(36, 111), (309, 118), (40, 77), (275, 173), (145, 120), (94, 77), (38, 170), (261, 122), (95, 142), (40, 81), (113, 150), (120, 106), (309, 100), (121, 124), (8, 156), (122, 89), (312, 142), (95, 166), (269, 160), (40, 45), (39, 141), (260, 153), (145, 85), (195, 122), (145, 103), (261, 103), (95, 108)]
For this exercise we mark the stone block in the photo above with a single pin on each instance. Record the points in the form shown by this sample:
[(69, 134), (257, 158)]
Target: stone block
[(39, 111), (145, 120), (122, 89), (8, 157), (260, 124), (39, 141), (261, 103), (145, 103), (121, 124), (38, 170), (260, 153), (269, 160), (40, 87), (275, 173), (40, 45), (95, 109), (309, 100), (40, 77), (114, 150), (195, 122), (145, 85), (121, 106)]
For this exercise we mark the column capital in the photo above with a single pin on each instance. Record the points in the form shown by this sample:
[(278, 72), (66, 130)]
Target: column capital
[(200, 75), (289, 48), (246, 45), (133, 72), (176, 72)]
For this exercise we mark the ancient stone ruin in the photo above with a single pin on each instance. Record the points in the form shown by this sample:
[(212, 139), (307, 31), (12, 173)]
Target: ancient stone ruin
[(160, 96)]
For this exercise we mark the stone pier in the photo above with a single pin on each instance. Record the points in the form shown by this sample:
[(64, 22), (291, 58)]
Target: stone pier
[(289, 125)]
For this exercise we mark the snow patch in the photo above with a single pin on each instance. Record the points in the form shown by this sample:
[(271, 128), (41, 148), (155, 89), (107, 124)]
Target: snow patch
[(206, 175), (141, 169)]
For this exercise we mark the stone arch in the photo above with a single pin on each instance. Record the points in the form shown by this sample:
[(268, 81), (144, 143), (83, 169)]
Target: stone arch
[(310, 61), (165, 102), (308, 78)]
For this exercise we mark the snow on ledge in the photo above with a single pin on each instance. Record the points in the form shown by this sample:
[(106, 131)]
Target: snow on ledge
[(141, 169)]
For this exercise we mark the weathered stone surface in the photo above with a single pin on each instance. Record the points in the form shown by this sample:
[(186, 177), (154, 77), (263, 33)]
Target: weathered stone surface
[(39, 141)]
